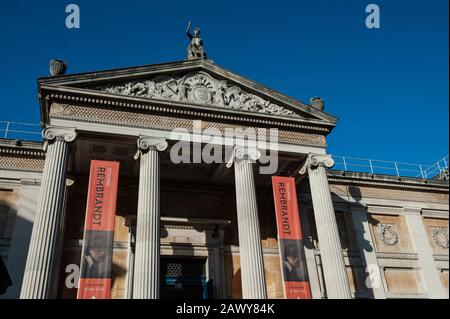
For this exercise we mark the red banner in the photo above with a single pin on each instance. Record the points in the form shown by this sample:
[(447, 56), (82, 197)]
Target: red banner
[(294, 271), (96, 259)]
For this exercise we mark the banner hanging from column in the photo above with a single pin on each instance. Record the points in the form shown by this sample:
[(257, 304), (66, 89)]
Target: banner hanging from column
[(96, 257), (294, 271)]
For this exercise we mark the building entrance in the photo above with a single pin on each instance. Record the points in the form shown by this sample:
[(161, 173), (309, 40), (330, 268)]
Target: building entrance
[(184, 277)]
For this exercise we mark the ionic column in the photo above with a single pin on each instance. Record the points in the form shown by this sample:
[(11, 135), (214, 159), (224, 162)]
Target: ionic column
[(335, 273), (250, 250), (40, 270), (147, 251)]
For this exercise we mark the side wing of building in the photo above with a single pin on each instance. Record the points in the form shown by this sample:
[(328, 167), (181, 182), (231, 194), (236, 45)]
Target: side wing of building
[(21, 166)]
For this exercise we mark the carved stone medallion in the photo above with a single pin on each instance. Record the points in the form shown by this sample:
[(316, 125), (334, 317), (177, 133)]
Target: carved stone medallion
[(388, 234), (440, 236)]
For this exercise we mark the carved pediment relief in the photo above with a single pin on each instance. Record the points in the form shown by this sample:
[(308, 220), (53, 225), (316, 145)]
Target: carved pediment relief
[(198, 88)]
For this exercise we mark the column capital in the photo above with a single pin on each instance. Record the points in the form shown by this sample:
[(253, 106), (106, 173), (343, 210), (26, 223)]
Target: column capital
[(241, 153), (145, 143), (315, 160), (51, 133)]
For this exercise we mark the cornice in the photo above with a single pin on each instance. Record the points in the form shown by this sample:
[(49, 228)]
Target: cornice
[(21, 148), (403, 256), (119, 73), (388, 181), (174, 109)]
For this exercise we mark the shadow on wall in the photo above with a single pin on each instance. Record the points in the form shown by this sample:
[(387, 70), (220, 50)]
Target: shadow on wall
[(18, 239), (355, 193), (5, 279), (363, 243), (5, 217)]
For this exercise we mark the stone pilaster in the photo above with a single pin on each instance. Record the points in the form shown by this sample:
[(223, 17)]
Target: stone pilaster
[(334, 271), (147, 251), (40, 270), (367, 251), (250, 250), (427, 264)]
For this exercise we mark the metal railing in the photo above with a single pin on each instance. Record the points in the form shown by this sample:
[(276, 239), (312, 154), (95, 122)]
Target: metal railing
[(10, 129), (438, 170)]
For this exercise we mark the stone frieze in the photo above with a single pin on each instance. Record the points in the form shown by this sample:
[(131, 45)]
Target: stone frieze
[(198, 88)]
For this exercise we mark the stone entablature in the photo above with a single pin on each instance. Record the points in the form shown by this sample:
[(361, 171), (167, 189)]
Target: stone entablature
[(167, 123), (12, 163), (363, 185), (24, 156), (387, 180)]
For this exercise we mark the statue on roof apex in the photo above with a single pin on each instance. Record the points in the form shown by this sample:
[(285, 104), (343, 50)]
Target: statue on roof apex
[(195, 49)]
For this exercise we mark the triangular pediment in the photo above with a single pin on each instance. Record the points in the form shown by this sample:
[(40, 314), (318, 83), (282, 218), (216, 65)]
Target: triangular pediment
[(199, 83)]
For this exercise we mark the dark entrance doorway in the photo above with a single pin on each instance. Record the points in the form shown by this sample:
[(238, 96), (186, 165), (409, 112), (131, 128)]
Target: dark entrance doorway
[(183, 278)]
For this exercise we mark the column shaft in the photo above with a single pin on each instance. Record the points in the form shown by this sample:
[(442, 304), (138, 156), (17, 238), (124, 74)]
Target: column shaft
[(335, 273), (146, 271), (40, 278), (250, 250)]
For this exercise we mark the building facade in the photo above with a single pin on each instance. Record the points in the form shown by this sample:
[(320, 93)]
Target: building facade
[(201, 228)]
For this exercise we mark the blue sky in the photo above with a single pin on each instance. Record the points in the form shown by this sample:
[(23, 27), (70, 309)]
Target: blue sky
[(388, 86)]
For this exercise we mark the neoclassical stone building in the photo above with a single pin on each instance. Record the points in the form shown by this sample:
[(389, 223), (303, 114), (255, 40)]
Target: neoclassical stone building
[(208, 229)]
